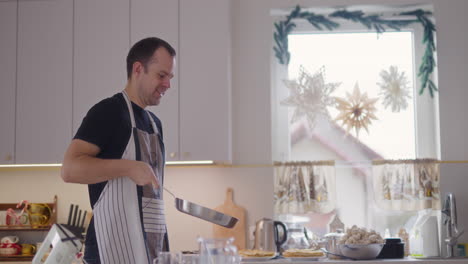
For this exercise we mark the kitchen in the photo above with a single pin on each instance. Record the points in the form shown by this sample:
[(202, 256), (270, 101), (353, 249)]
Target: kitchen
[(243, 122)]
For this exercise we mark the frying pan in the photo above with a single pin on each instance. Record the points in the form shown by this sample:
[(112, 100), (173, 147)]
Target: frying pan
[(202, 212)]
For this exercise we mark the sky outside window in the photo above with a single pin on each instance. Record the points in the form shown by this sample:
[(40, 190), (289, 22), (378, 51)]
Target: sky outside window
[(351, 58)]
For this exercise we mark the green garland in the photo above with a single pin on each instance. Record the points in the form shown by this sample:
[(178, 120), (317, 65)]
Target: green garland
[(285, 27)]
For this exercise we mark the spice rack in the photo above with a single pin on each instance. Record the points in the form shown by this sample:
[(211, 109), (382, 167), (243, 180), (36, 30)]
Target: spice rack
[(6, 230)]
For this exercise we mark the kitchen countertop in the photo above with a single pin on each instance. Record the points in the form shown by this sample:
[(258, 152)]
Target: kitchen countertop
[(328, 261), (386, 261), (376, 261)]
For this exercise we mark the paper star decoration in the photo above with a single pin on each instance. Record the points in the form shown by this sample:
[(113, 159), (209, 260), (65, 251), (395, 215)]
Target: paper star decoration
[(394, 89), (310, 95), (356, 111)]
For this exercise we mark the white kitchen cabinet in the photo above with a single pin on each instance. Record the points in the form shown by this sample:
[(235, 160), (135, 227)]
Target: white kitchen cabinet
[(71, 54), (159, 18), (44, 87), (195, 112), (7, 80), (101, 43), (205, 80)]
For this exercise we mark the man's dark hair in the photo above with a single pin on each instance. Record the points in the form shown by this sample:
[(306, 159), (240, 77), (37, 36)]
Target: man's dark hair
[(143, 50)]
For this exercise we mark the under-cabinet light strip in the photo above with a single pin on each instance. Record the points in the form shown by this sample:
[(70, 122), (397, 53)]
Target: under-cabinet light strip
[(193, 162), (212, 163), (169, 163), (30, 165)]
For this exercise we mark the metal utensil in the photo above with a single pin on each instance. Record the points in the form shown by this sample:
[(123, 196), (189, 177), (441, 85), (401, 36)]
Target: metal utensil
[(202, 212)]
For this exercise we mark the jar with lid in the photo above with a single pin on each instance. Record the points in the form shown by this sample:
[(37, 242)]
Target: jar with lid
[(332, 240), (393, 248)]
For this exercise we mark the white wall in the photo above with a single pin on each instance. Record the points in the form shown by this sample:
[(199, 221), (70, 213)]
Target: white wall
[(40, 186), (252, 43), (452, 43), (252, 38), (253, 190)]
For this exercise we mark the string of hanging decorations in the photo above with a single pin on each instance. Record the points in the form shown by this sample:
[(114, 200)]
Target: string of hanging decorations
[(284, 27)]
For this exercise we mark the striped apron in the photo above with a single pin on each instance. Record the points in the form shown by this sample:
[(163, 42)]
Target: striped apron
[(129, 219)]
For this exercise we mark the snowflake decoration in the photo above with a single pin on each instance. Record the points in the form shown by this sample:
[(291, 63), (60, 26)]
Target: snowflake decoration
[(310, 95), (394, 89), (356, 111)]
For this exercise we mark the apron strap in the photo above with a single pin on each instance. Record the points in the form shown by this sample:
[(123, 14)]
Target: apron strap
[(130, 108), (161, 164), (153, 124)]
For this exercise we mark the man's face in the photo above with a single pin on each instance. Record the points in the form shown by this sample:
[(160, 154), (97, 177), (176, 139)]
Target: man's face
[(155, 79)]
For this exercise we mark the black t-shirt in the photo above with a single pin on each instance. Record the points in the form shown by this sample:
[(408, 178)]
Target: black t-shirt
[(108, 126)]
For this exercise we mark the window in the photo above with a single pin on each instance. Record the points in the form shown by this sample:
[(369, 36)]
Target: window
[(356, 57)]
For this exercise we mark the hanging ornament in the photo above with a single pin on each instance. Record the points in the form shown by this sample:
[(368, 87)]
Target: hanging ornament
[(356, 111), (310, 95), (394, 89)]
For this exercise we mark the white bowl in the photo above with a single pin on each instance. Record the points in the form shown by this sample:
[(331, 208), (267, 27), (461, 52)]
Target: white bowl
[(370, 251)]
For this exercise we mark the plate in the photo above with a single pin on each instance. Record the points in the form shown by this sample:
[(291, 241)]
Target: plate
[(304, 258), (253, 259)]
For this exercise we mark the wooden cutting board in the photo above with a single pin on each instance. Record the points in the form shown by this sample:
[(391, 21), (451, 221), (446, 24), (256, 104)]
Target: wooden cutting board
[(239, 230)]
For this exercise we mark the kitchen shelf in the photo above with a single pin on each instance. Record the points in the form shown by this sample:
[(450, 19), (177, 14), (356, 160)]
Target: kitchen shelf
[(25, 228), (13, 258), (53, 218)]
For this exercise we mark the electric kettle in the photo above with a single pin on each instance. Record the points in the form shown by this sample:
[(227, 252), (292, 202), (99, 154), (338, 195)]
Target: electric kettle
[(267, 235)]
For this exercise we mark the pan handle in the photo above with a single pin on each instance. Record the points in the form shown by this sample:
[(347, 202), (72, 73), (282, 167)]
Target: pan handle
[(169, 192)]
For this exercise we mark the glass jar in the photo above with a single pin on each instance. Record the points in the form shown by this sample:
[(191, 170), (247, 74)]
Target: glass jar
[(218, 251), (296, 239), (393, 248)]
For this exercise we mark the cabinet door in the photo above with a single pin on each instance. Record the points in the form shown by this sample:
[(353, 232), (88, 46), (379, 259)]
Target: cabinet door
[(204, 80), (159, 18), (7, 81), (44, 87), (101, 43)]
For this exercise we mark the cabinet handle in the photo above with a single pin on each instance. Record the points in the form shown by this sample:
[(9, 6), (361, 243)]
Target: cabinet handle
[(173, 154)]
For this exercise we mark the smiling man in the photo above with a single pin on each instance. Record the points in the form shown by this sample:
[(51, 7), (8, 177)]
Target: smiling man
[(119, 152)]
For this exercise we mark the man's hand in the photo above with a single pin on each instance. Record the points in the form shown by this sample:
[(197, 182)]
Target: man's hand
[(142, 174)]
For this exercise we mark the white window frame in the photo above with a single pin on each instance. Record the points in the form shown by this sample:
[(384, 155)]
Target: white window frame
[(427, 124)]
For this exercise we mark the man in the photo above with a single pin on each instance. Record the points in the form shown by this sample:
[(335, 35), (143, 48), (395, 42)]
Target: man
[(118, 151)]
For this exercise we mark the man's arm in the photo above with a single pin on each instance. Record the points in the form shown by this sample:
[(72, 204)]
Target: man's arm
[(80, 165)]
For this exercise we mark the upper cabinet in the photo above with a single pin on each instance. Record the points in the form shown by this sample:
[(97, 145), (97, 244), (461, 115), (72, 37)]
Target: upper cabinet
[(44, 74), (195, 112), (101, 43), (7, 81), (160, 19), (205, 80), (59, 58)]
